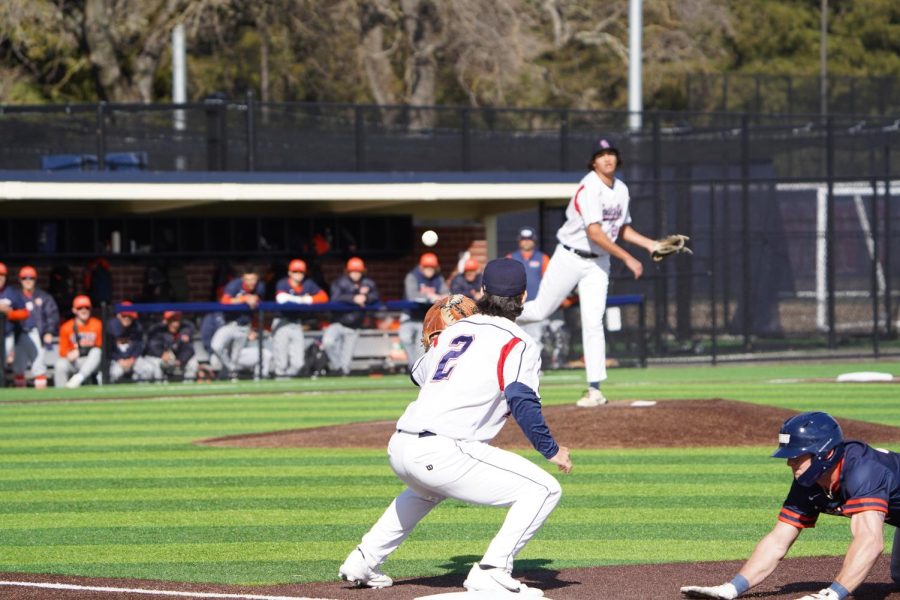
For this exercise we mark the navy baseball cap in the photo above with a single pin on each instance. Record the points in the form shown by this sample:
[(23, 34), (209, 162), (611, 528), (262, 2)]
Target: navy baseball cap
[(526, 233), (504, 277), (605, 144)]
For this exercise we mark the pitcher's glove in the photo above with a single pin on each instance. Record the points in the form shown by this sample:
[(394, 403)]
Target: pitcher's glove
[(671, 244), (444, 313)]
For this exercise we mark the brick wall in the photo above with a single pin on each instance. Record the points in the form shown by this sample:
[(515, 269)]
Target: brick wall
[(128, 278)]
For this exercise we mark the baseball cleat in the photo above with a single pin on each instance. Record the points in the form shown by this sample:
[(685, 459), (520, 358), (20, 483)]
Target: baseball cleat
[(497, 580), (357, 571), (592, 398), (75, 381)]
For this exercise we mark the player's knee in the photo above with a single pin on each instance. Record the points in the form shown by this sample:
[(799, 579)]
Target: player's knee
[(554, 493)]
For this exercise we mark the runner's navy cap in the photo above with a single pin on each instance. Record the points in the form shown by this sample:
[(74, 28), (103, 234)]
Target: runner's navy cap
[(504, 277)]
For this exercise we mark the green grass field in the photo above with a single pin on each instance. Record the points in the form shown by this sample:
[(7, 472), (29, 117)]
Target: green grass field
[(117, 488)]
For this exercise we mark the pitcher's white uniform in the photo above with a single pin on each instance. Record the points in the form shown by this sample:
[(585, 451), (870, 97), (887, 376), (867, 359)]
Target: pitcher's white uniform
[(440, 449), (579, 261)]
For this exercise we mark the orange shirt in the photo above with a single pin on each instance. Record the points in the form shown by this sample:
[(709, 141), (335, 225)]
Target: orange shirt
[(89, 335)]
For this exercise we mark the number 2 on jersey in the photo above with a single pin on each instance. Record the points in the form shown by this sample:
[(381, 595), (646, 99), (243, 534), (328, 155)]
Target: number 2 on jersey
[(445, 366)]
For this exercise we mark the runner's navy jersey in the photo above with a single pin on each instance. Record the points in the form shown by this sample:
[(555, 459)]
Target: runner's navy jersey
[(868, 479)]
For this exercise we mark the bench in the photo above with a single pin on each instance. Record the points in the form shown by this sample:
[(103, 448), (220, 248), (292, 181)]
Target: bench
[(639, 301)]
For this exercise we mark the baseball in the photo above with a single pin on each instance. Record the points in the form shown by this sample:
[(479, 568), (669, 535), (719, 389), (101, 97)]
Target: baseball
[(430, 238)]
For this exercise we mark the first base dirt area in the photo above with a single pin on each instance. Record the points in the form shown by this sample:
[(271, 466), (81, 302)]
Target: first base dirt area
[(685, 423)]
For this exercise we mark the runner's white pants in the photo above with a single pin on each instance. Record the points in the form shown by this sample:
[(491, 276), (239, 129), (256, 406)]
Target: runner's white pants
[(566, 270), (438, 467)]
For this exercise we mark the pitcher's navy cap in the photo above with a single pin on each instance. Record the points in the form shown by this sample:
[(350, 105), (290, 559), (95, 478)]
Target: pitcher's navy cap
[(504, 277)]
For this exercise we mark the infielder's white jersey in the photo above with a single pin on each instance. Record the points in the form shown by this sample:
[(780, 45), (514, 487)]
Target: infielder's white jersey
[(462, 378), (595, 202)]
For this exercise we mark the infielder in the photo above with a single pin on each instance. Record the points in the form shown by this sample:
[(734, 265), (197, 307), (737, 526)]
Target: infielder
[(832, 476), (597, 215), (482, 369), (289, 344)]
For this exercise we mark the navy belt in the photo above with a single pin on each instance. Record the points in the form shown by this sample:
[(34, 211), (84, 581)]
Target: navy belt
[(580, 253), (421, 434)]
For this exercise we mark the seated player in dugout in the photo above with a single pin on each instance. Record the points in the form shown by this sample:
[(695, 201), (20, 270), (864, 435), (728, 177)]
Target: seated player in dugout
[(468, 283), (832, 476), (289, 343), (230, 340), (80, 343)]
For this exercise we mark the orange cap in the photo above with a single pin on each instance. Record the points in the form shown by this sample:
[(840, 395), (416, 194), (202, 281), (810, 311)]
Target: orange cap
[(81, 302), (27, 272), (356, 264), (429, 259), (127, 313), (471, 265), (2, 269), (172, 315), (297, 265)]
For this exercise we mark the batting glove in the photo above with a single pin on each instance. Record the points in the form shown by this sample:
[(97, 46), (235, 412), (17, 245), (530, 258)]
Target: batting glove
[(823, 594), (726, 591)]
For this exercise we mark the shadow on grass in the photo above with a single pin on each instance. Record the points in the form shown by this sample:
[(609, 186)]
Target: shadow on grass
[(532, 572)]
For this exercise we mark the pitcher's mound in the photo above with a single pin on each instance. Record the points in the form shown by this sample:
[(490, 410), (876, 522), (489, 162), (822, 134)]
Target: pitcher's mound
[(669, 424)]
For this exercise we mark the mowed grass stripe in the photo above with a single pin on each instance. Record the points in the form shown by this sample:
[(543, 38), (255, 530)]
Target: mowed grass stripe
[(307, 474), (311, 503), (160, 507), (432, 529), (610, 490)]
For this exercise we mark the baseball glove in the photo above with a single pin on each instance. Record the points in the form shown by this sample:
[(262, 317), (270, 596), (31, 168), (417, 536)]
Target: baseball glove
[(444, 313), (671, 244)]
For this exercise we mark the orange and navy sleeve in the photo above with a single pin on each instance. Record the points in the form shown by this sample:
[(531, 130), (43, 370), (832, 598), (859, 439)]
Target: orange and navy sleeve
[(318, 294), (798, 520), (232, 292), (867, 486), (858, 505), (798, 510)]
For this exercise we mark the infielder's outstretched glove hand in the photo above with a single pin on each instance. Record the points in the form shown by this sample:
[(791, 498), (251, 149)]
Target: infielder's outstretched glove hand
[(823, 594), (671, 244), (444, 313), (726, 591)]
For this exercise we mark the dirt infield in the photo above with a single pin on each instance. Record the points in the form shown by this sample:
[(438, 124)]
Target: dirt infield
[(672, 424), (793, 578), (668, 424)]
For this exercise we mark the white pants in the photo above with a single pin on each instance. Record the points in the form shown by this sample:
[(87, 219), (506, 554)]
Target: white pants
[(86, 365), (438, 467), (227, 343), (27, 349), (566, 270), (144, 368), (339, 342), (289, 348), (189, 369)]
